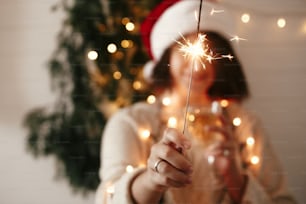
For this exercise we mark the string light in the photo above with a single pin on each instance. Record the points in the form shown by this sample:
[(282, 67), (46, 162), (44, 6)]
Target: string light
[(126, 43), (245, 18), (137, 85), (151, 99), (110, 189), (144, 133), (281, 22), (125, 20), (166, 101), (111, 48), (224, 103), (236, 121), (172, 122), (117, 75), (255, 160), (92, 55), (250, 141), (129, 169), (130, 26)]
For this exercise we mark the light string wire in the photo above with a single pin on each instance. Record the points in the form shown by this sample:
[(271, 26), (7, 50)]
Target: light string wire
[(191, 74)]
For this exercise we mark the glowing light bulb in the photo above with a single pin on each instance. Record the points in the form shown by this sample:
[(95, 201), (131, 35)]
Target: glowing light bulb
[(250, 141), (125, 20), (255, 160), (137, 85), (129, 168), (111, 48), (144, 134), (92, 55), (224, 103), (166, 101), (281, 22), (130, 26), (236, 121), (245, 18), (191, 117), (151, 99), (172, 122), (126, 43), (117, 75), (110, 189)]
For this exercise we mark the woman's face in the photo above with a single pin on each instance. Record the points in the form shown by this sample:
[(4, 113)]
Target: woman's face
[(181, 67)]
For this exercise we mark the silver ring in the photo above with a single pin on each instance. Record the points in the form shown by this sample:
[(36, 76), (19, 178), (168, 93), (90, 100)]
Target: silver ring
[(156, 165), (226, 152)]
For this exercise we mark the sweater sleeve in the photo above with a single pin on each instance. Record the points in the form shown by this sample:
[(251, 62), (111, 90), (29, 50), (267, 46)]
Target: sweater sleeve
[(121, 147)]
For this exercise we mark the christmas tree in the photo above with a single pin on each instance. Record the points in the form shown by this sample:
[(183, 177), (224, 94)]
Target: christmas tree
[(95, 69)]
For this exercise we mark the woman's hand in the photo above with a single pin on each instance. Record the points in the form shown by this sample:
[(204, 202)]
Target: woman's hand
[(224, 157), (168, 165)]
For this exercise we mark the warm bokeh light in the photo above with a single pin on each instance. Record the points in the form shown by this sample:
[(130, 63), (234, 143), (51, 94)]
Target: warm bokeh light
[(151, 99), (130, 26), (166, 101), (172, 122), (137, 85), (125, 20), (245, 18), (281, 22), (224, 103), (236, 121), (92, 55), (250, 141), (126, 43), (191, 117), (144, 134), (111, 48), (110, 189), (255, 160), (129, 168), (117, 75)]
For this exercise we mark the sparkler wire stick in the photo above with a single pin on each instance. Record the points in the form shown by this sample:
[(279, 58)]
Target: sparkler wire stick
[(191, 73)]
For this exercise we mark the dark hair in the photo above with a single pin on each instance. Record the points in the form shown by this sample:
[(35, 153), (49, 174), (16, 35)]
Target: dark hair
[(230, 81)]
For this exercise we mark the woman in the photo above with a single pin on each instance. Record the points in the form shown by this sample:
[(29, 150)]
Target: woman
[(146, 159)]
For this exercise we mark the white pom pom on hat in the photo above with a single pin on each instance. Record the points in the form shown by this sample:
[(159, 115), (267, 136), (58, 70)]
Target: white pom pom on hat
[(173, 18)]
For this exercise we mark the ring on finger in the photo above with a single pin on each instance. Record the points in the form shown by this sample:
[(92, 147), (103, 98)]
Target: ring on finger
[(157, 164)]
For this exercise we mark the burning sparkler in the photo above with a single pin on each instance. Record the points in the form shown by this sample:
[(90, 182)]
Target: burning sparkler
[(199, 51)]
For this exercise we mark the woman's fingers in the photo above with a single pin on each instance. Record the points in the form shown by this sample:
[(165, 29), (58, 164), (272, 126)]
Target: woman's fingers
[(167, 175), (172, 156), (175, 139), (168, 163)]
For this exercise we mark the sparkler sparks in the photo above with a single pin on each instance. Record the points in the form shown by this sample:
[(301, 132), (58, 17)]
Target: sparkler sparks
[(196, 51), (237, 38), (199, 51), (213, 11)]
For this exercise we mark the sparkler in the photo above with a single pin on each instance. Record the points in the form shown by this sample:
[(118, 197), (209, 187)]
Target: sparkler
[(198, 51)]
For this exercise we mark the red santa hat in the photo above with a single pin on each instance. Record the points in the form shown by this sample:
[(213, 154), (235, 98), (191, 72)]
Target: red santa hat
[(173, 18)]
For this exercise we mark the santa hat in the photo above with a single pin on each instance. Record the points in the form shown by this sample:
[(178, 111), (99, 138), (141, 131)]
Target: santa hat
[(173, 18)]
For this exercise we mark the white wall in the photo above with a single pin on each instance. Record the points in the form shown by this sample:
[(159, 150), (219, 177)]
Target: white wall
[(275, 69), (27, 38)]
